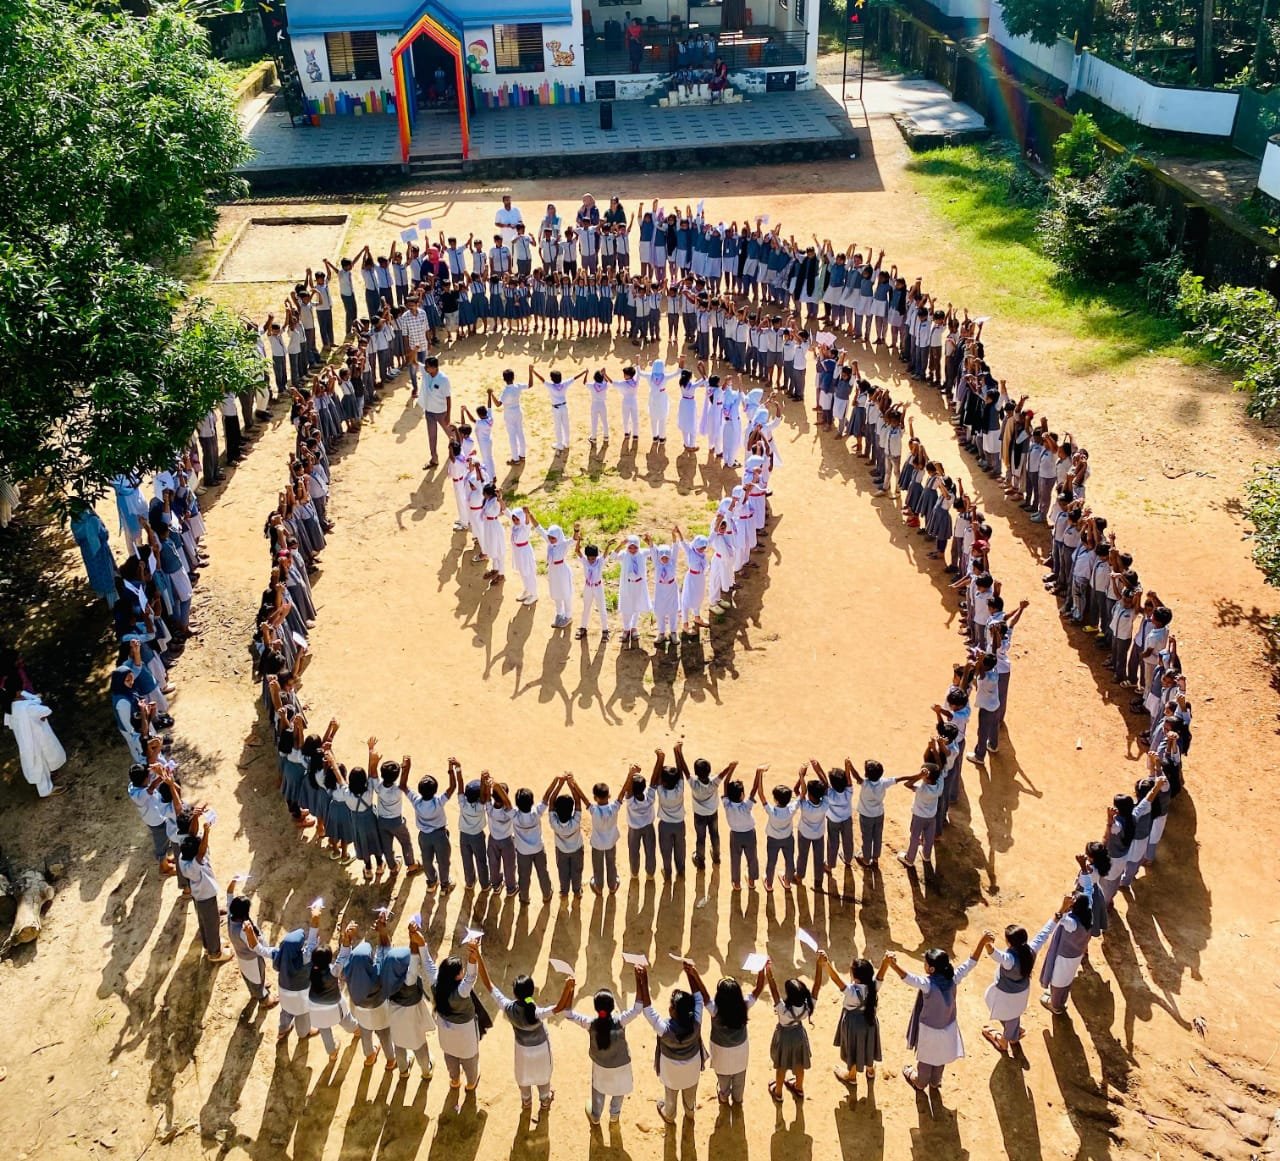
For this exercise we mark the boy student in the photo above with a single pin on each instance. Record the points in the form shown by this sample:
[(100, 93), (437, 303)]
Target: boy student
[(346, 292), (433, 832), (592, 561), (705, 791), (387, 781), (605, 812), (558, 391)]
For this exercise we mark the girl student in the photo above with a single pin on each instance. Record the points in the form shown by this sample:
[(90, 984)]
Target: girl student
[(360, 967), (693, 589), (327, 1006), (559, 575), (354, 792), (409, 1020), (933, 1031), (679, 1054), (641, 806), (292, 961), (740, 822), (858, 1031), (789, 1050), (533, 1061), (565, 817), (526, 832), (1006, 998), (1072, 928), (705, 792), (729, 1051), (251, 950), (460, 1019), (609, 1053), (605, 812)]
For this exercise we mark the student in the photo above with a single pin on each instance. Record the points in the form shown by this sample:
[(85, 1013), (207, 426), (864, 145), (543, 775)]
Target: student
[(1006, 998), (693, 590), (605, 812), (667, 784), (779, 832), (471, 834), (666, 596), (1145, 795), (592, 561), (251, 950), (533, 1061), (502, 844), (354, 792), (680, 1054), (144, 786), (598, 390), (929, 786), (838, 804), (633, 586), (460, 1019), (934, 1030), (705, 792), (789, 1050), (360, 968), (641, 808), (522, 558), (388, 809), (526, 828), (292, 960), (858, 1032), (1071, 929), (741, 823), (558, 391), (608, 1052), (433, 830), (559, 575), (197, 873), (510, 401), (811, 797), (326, 1006), (567, 801), (409, 1018), (730, 1051)]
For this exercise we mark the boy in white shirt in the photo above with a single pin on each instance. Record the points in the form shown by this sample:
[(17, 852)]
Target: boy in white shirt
[(872, 785), (433, 832), (705, 792), (471, 833), (605, 812)]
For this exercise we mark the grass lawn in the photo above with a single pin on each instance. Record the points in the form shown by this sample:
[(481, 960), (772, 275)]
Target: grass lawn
[(976, 191), (601, 510)]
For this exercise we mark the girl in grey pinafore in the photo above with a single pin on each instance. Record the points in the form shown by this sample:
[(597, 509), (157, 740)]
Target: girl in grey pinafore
[(789, 1049)]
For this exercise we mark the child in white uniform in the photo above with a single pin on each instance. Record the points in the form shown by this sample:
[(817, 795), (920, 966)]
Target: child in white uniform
[(592, 561), (605, 812)]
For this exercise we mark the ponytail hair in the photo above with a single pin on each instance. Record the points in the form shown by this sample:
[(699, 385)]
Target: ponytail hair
[(940, 962), (602, 1025), (1016, 937), (526, 1008), (865, 974), (799, 998)]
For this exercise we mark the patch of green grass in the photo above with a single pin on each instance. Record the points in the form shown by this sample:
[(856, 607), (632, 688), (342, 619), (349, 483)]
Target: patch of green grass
[(973, 189), (601, 510)]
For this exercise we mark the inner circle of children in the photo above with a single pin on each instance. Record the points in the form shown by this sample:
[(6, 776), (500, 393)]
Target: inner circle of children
[(719, 283)]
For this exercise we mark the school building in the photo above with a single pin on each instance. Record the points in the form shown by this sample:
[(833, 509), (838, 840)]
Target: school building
[(461, 59)]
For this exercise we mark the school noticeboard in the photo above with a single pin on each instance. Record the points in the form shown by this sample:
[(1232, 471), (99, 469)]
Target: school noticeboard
[(780, 82), (606, 90)]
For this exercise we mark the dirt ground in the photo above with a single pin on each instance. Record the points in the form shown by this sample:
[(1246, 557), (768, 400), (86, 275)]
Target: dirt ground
[(126, 1045)]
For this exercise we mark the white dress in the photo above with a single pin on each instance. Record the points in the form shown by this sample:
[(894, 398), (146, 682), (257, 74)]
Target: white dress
[(610, 1081), (733, 1060), (939, 1045), (460, 1040), (533, 1062), (409, 1025), (1010, 1005), (39, 750)]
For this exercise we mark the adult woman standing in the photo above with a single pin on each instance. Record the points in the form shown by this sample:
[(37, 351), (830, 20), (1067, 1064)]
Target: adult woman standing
[(934, 1030)]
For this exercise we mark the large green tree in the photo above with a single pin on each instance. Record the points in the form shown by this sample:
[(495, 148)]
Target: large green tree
[(118, 135)]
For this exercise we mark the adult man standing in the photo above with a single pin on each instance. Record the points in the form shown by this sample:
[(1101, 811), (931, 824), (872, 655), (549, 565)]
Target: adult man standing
[(413, 326), (436, 402), (507, 218)]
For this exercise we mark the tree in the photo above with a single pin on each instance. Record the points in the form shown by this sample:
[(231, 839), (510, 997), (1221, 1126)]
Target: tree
[(1046, 20), (117, 135)]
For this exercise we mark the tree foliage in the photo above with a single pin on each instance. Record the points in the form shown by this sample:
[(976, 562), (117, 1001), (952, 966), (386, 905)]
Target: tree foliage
[(1043, 21), (117, 135)]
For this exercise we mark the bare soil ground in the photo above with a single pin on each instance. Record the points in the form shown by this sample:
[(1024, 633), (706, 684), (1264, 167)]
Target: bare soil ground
[(123, 1044)]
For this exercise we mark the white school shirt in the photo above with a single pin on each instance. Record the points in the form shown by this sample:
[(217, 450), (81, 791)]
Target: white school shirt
[(526, 829), (740, 816), (387, 800), (871, 796), (800, 355), (344, 284), (604, 825), (500, 817), (705, 796), (429, 812), (987, 691), (813, 818), (671, 803), (199, 877), (839, 804), (511, 396), (470, 816), (960, 719), (640, 813), (1121, 623), (150, 805), (568, 834), (558, 392), (780, 820), (925, 802)]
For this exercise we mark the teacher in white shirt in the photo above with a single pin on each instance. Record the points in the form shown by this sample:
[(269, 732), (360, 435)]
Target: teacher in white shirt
[(436, 402), (507, 218)]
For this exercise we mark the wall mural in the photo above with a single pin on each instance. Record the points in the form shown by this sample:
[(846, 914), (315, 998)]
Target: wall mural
[(479, 56), (561, 59)]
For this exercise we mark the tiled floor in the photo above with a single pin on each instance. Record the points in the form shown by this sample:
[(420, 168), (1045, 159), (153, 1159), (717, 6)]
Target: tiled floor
[(369, 141)]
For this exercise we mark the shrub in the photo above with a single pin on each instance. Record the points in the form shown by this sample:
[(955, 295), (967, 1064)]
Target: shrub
[(1160, 282), (1242, 326), (1079, 151), (1262, 508), (1099, 227)]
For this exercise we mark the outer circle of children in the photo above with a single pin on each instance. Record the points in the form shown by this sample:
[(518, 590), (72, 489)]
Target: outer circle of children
[(396, 998)]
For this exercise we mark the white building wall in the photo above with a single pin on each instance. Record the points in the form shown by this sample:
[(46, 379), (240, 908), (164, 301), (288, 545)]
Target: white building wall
[(313, 67)]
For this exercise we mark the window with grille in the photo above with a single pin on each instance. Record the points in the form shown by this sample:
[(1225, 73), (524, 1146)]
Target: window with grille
[(353, 56), (517, 48), (799, 12)]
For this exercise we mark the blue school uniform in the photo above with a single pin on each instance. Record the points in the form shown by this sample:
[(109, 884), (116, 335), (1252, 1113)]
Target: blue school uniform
[(538, 299), (479, 301), (466, 311), (551, 302), (604, 306)]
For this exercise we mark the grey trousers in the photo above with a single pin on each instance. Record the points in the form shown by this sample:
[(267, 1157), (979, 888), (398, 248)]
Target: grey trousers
[(471, 1065), (929, 1075), (384, 1038), (923, 831), (421, 1054), (871, 831), (704, 826), (597, 1105), (434, 845), (327, 1038), (988, 732), (743, 845), (604, 869), (502, 863), (672, 1096), (839, 834), (569, 870), (474, 863), (391, 831), (733, 1087), (817, 848), (210, 924), (671, 844), (642, 836), (787, 849), (526, 866)]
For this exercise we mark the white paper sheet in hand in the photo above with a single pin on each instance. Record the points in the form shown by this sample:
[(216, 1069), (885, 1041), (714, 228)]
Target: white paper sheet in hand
[(408, 235), (764, 219), (826, 339), (678, 958), (807, 939), (317, 903), (210, 816), (473, 935), (299, 640), (558, 965), (977, 322), (416, 919), (755, 962), (635, 958), (424, 223)]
